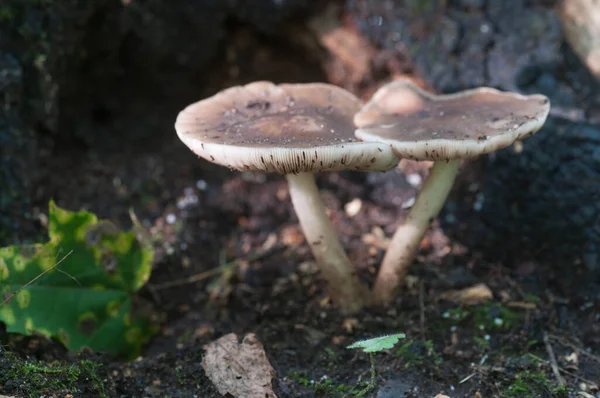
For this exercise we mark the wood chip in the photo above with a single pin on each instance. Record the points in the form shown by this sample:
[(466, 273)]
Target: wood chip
[(350, 325), (240, 369), (522, 305), (473, 295), (353, 207), (376, 238)]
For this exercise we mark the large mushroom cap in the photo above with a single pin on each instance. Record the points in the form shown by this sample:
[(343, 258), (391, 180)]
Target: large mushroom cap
[(424, 126), (287, 128)]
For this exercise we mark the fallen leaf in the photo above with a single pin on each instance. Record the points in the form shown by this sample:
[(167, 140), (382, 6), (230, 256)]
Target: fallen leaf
[(94, 285), (469, 296), (351, 53), (240, 369), (581, 23)]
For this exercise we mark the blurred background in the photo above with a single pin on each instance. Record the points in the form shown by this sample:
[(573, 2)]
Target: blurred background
[(91, 90)]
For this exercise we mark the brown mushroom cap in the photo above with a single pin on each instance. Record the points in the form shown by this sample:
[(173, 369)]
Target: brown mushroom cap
[(287, 128), (423, 126)]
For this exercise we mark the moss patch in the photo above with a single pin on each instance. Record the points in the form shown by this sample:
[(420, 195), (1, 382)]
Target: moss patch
[(34, 378), (415, 353), (491, 316), (529, 385), (326, 387)]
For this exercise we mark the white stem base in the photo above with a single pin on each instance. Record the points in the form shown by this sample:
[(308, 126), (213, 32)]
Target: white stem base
[(408, 236), (344, 286)]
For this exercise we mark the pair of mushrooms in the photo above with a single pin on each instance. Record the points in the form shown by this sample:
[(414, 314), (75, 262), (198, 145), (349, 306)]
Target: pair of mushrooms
[(300, 129)]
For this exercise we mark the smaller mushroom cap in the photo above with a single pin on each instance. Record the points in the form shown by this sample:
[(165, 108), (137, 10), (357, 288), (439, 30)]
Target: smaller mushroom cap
[(287, 128), (423, 126)]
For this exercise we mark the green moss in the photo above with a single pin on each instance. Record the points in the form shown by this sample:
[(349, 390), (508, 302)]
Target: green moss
[(491, 316), (41, 3), (327, 387), (89, 368), (495, 316), (532, 298), (178, 375), (530, 385), (483, 343), (457, 315), (331, 354), (7, 13), (420, 7), (36, 378), (415, 353)]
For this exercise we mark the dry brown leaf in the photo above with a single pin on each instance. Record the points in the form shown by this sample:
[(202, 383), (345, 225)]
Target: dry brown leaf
[(351, 53), (240, 369), (581, 23), (469, 296)]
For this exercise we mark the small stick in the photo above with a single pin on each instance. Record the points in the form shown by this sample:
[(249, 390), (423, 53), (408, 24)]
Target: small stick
[(590, 383), (13, 294), (583, 352), (565, 371), (422, 308), (467, 378), (553, 363), (211, 272)]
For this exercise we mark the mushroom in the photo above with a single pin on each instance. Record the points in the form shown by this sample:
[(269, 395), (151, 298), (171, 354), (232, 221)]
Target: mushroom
[(295, 130), (444, 129)]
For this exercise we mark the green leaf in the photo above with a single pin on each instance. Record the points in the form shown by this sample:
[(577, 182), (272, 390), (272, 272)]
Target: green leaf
[(85, 301), (377, 344)]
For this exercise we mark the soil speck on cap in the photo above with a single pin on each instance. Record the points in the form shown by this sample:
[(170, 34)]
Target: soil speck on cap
[(259, 105)]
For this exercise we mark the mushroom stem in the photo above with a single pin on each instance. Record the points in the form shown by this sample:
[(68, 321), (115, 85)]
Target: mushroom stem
[(344, 286), (408, 236)]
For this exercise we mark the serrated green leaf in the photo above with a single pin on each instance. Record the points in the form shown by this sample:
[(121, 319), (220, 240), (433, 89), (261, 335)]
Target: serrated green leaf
[(377, 344), (86, 301)]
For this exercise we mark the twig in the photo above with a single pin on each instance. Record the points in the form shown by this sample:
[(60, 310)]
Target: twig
[(581, 351), (211, 272), (585, 394), (485, 370), (13, 294), (565, 371), (589, 382), (69, 275), (467, 378), (553, 363), (60, 249), (422, 308)]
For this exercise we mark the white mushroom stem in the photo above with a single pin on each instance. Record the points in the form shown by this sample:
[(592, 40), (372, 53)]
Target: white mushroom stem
[(344, 285), (407, 238)]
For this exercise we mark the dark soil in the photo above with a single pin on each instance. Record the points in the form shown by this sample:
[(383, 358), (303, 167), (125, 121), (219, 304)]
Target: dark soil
[(122, 152)]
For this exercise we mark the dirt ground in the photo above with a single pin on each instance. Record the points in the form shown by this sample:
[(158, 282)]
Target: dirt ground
[(231, 258)]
